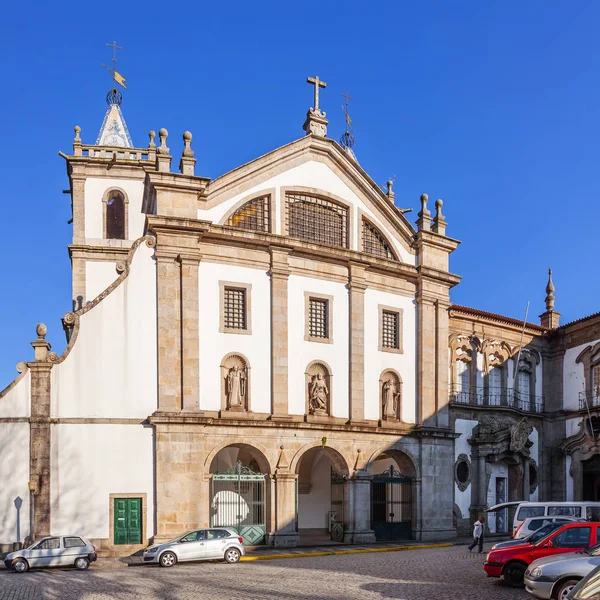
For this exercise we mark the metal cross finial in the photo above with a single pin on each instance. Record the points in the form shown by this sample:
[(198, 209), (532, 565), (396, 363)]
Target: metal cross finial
[(346, 112), (317, 83), (115, 48)]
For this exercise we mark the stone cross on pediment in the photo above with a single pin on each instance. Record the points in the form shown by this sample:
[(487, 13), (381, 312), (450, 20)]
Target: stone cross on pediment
[(318, 84)]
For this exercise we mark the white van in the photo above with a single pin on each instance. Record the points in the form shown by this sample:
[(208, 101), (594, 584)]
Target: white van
[(590, 511)]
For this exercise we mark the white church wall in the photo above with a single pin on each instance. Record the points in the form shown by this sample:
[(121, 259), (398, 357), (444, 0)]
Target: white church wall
[(464, 427), (214, 345), (315, 505), (111, 370), (99, 274), (569, 478), (376, 361), (15, 401), (14, 479), (572, 426), (94, 191), (319, 176), (535, 455), (91, 461), (302, 352), (573, 376)]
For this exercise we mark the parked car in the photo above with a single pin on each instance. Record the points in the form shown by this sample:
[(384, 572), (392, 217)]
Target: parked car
[(53, 551), (532, 524), (532, 538), (555, 576), (512, 562), (202, 544), (588, 588)]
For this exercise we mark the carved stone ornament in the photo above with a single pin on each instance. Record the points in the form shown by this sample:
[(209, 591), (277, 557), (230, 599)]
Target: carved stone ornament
[(234, 373), (462, 472), (519, 435), (390, 396), (318, 390)]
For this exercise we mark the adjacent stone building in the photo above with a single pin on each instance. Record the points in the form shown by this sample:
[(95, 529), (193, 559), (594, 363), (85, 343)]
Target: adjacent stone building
[(275, 349)]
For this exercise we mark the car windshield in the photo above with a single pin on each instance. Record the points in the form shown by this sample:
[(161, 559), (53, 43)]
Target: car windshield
[(543, 532)]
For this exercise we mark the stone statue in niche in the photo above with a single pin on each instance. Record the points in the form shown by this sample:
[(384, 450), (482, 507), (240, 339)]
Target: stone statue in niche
[(391, 398), (236, 388), (317, 395)]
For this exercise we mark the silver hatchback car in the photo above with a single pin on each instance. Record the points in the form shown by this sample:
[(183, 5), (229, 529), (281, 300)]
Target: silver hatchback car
[(201, 544), (53, 551)]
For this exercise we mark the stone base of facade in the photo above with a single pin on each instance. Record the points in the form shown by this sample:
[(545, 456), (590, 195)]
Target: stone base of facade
[(283, 540), (359, 537), (434, 535)]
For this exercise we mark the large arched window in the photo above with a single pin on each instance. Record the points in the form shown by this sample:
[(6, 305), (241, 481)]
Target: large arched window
[(317, 220), (253, 215), (375, 243), (115, 215)]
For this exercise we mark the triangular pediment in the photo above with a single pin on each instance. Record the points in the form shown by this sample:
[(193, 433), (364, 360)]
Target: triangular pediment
[(321, 165), (114, 130)]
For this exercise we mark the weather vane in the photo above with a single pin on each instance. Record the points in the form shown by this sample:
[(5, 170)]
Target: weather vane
[(347, 140), (114, 96)]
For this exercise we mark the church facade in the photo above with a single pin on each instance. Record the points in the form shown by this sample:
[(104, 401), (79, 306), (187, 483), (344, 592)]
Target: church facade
[(275, 349)]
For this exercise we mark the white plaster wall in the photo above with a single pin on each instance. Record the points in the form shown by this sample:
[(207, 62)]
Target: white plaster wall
[(98, 276), (111, 370), (479, 378), (499, 469), (572, 426), (315, 175), (91, 461), (302, 352), (214, 346), (535, 455), (569, 478), (464, 427), (15, 402), (14, 478), (573, 377), (314, 506), (376, 362), (94, 191)]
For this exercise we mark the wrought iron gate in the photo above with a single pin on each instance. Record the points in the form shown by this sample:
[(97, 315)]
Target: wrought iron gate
[(336, 514), (238, 501), (391, 505)]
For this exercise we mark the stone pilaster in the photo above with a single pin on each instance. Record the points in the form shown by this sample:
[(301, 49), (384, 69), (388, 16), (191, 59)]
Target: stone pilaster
[(280, 273), (357, 286), (526, 482), (426, 360), (190, 333), (285, 510), (357, 511)]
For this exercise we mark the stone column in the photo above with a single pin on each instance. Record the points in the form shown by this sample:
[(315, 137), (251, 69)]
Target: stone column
[(357, 511), (285, 510), (169, 338), (279, 272), (478, 485), (190, 333), (526, 482), (357, 286), (40, 437)]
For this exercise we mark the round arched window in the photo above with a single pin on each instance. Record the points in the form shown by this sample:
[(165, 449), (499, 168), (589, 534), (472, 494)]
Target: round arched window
[(462, 472)]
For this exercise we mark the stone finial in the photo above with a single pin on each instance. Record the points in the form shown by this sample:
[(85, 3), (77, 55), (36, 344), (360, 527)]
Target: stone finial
[(163, 159), (390, 192), (424, 220), (439, 222), (187, 162), (41, 331), (151, 135), (77, 130), (41, 347), (550, 292)]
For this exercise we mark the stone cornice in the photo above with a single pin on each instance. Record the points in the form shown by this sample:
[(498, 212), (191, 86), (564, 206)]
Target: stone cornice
[(429, 238)]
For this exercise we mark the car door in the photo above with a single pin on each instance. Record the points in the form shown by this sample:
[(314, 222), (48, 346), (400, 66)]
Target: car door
[(192, 546), (216, 540), (46, 553), (73, 547)]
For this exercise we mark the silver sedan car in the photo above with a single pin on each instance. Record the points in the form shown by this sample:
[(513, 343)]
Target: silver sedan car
[(53, 551), (202, 544), (555, 576)]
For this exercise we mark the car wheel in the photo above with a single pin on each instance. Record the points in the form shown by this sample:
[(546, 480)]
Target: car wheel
[(168, 559), (20, 565), (232, 555), (82, 563), (513, 574), (565, 587)]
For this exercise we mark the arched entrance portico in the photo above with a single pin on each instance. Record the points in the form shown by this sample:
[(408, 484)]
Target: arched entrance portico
[(321, 475), (240, 492)]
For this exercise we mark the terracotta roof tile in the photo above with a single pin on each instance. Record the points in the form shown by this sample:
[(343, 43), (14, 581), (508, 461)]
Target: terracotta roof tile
[(495, 317)]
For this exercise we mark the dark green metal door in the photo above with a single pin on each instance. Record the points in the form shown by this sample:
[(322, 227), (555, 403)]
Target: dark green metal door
[(128, 520), (391, 505)]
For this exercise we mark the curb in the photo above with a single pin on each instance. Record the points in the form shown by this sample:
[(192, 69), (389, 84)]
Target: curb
[(337, 552)]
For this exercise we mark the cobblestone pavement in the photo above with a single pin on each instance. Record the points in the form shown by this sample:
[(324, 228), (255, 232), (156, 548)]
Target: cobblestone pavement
[(442, 573)]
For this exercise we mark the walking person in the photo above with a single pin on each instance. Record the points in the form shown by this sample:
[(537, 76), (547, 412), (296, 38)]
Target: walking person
[(478, 535)]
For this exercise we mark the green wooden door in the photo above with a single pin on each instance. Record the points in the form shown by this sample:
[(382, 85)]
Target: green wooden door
[(128, 520)]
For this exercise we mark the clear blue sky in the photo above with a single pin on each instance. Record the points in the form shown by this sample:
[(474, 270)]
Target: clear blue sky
[(492, 106)]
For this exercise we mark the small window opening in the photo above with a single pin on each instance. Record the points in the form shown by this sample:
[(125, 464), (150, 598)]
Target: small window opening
[(115, 217)]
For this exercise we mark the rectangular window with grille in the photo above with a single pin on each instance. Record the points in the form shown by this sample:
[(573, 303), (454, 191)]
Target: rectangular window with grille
[(390, 329), (318, 319), (234, 313)]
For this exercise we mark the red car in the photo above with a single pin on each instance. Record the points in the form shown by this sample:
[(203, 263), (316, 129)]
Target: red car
[(512, 562)]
